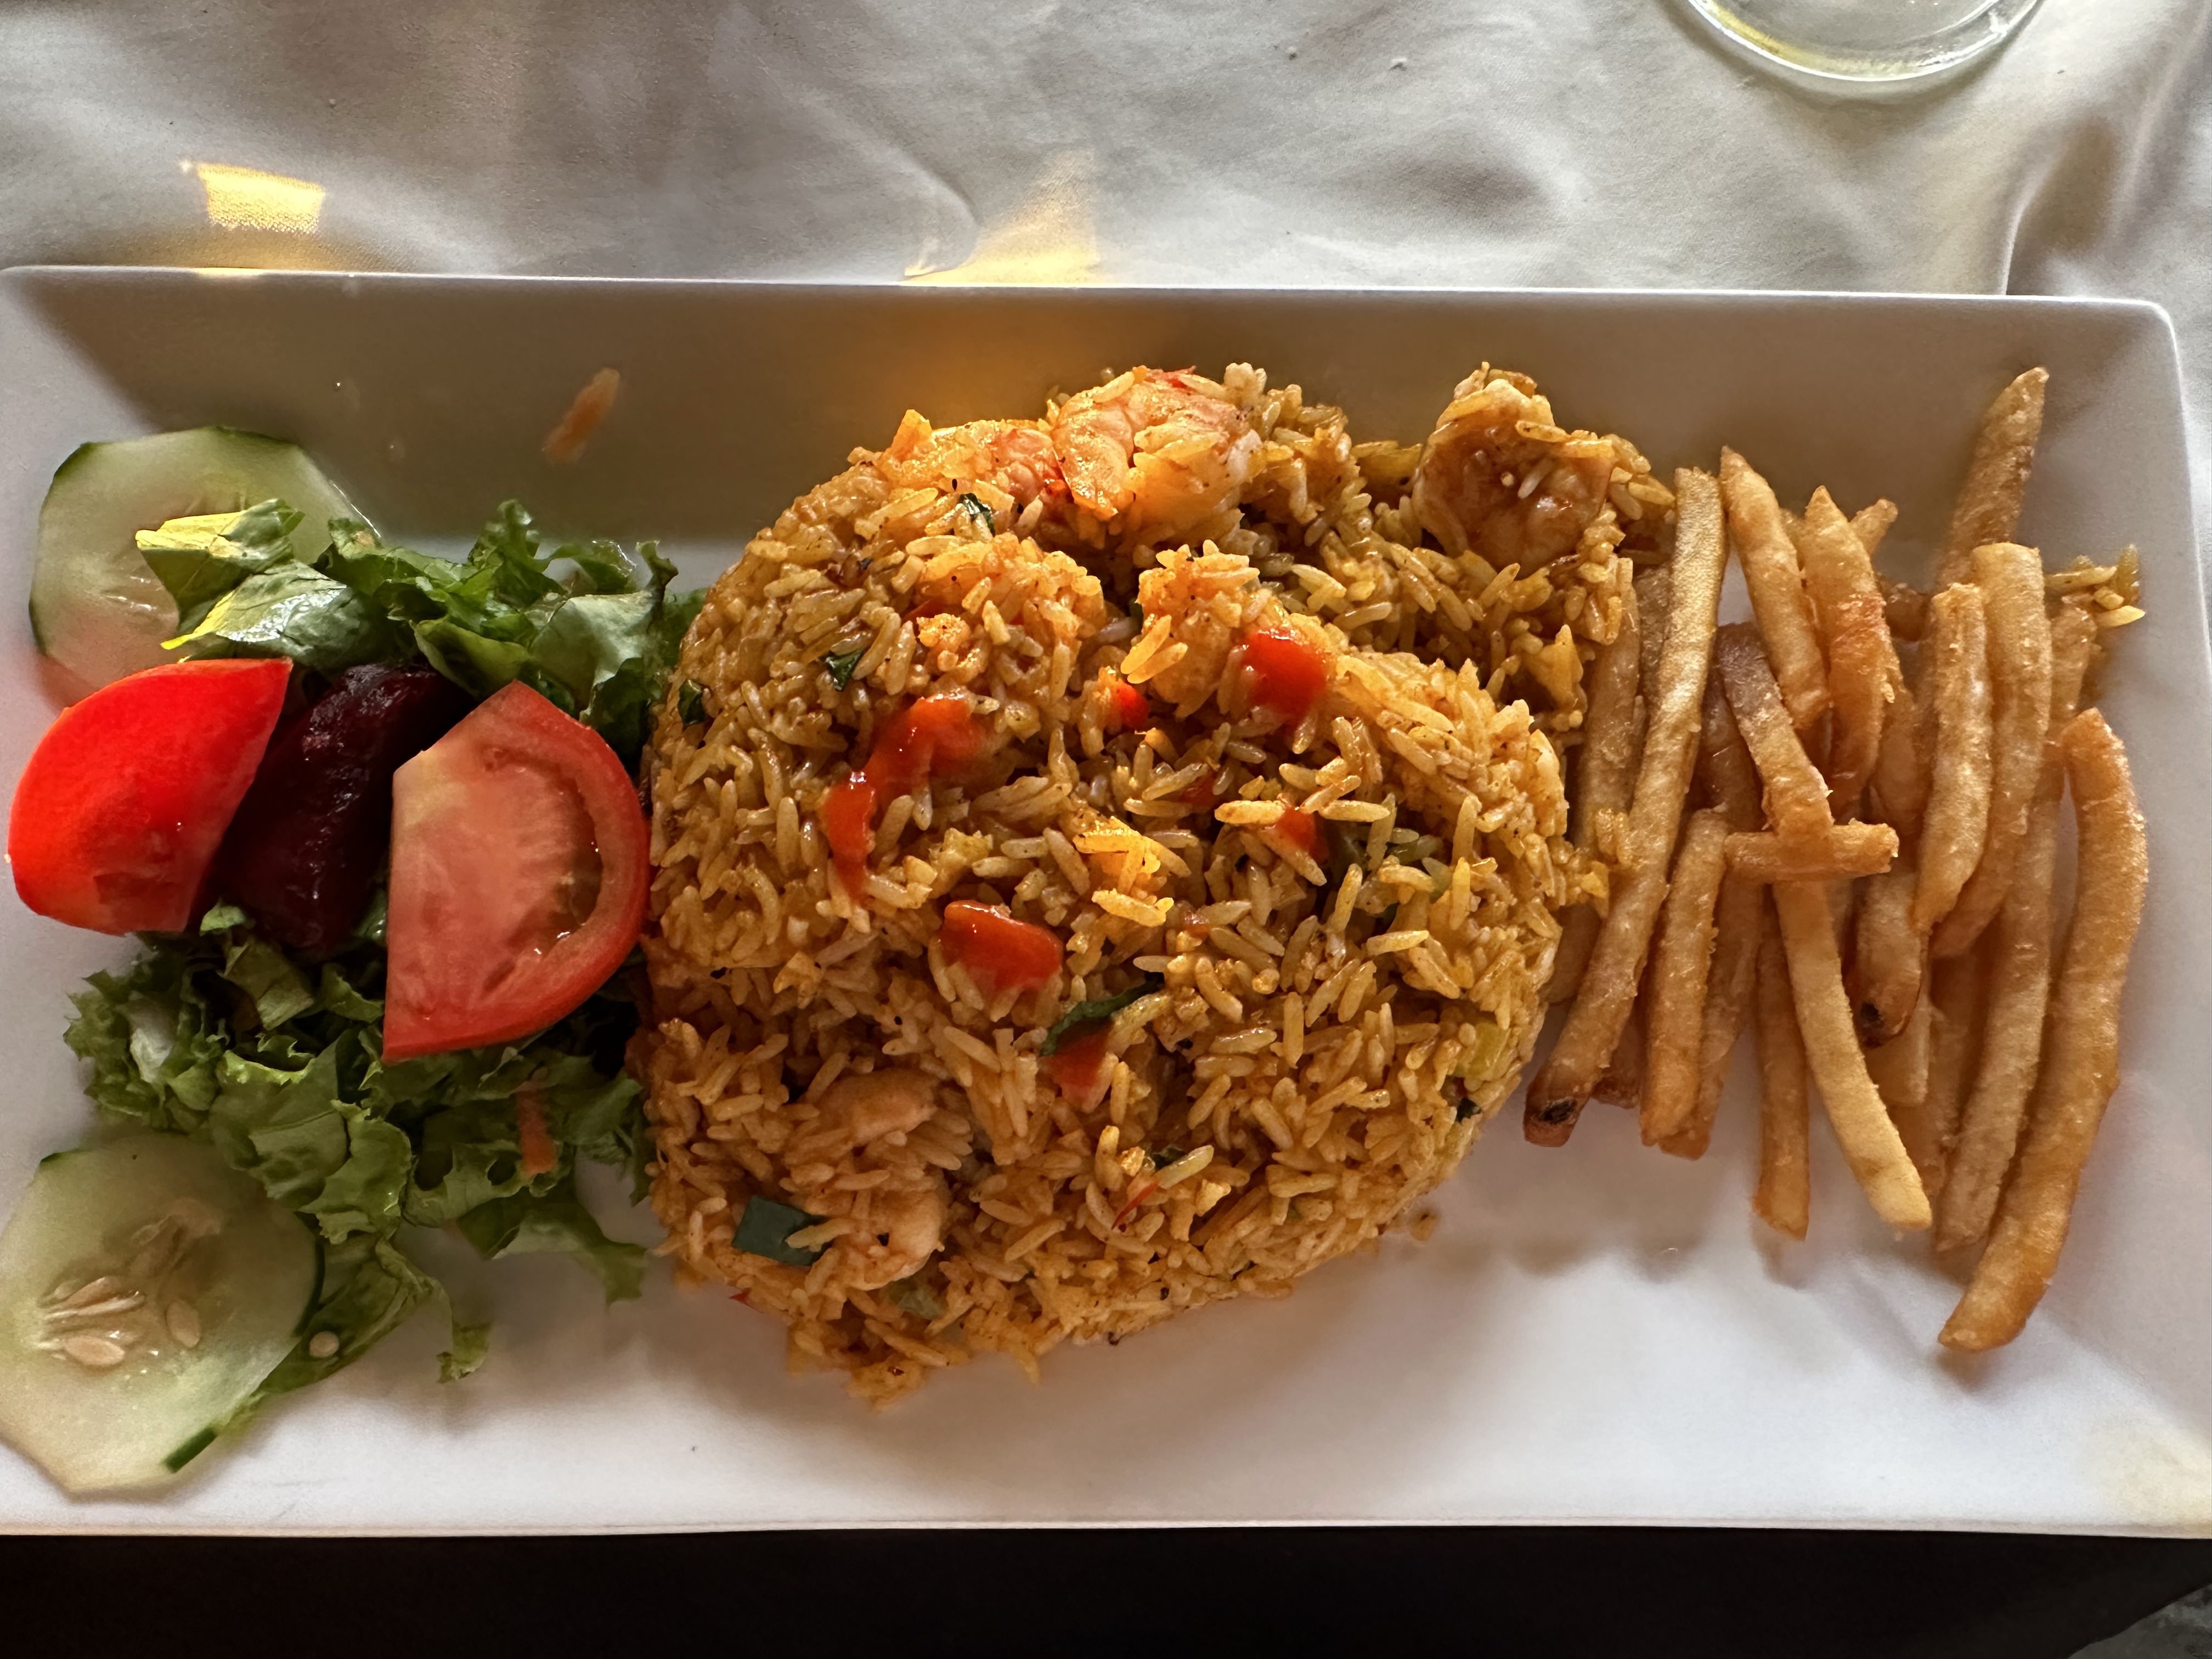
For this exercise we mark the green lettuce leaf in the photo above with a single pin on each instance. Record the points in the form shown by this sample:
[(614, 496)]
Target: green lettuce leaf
[(369, 1289), (222, 1036), (313, 1150), (266, 974), (202, 558), (532, 1224), (291, 609), (593, 627), (153, 1044)]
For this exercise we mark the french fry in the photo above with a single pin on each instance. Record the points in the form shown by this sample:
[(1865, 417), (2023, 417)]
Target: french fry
[(1675, 994), (1729, 987), (1870, 1141), (1871, 524), (1899, 1070), (2074, 649), (1653, 587), (1594, 1021), (1778, 599), (1900, 770), (1958, 739), (2018, 977), (1796, 794), (1889, 960), (2011, 582), (1855, 639), (1784, 1192), (1621, 1083), (1605, 779), (1988, 508), (1958, 992), (1842, 852), (2083, 1048), (1724, 765), (1732, 784)]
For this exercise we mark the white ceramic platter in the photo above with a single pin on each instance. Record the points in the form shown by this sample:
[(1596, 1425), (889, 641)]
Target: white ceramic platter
[(1600, 1334)]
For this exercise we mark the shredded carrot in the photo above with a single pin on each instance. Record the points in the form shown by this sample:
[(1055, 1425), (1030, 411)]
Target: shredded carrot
[(539, 1154), (1138, 1193), (564, 444)]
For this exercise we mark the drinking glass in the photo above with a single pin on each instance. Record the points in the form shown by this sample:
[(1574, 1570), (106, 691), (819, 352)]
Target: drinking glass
[(1864, 42)]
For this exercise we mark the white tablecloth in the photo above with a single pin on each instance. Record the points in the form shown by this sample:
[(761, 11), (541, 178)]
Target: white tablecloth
[(1472, 142)]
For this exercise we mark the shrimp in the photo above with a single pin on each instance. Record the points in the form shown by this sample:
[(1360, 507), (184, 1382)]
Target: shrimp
[(1498, 479), (860, 1109), (1015, 456), (1162, 454), (905, 1229), (861, 1127)]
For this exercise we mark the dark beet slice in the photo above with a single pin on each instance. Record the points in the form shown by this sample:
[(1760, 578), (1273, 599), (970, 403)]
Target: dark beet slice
[(303, 854)]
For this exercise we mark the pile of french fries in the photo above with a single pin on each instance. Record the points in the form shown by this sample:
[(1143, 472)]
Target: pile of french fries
[(1852, 848)]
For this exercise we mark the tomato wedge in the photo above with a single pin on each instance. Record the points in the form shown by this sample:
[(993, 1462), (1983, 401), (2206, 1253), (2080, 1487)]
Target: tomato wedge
[(117, 816), (518, 874)]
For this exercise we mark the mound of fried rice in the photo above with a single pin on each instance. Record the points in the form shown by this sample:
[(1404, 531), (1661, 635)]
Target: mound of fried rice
[(1298, 1024)]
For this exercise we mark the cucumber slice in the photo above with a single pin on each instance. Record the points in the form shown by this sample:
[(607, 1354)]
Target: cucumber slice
[(146, 1288), (95, 607)]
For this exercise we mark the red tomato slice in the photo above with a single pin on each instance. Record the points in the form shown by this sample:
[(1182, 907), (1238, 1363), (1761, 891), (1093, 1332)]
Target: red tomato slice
[(1000, 952), (519, 873), (124, 801)]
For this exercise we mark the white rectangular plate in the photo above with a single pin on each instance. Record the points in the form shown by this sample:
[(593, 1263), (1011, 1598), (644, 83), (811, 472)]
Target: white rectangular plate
[(1600, 1334)]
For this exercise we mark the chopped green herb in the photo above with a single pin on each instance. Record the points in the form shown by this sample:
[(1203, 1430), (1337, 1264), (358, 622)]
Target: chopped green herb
[(766, 1226), (979, 510), (1166, 1156), (912, 1296), (1096, 1011), (841, 664), (1137, 614), (691, 702), (222, 918)]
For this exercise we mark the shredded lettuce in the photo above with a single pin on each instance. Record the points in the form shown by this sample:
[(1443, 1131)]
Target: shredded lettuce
[(591, 626), (221, 1035)]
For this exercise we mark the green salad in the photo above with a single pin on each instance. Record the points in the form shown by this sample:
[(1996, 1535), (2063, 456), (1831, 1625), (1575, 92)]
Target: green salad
[(308, 1009)]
